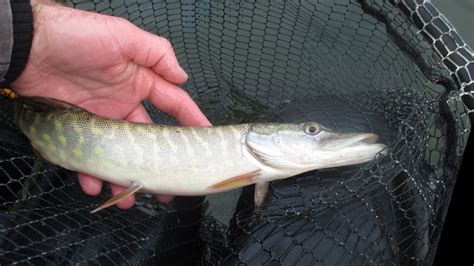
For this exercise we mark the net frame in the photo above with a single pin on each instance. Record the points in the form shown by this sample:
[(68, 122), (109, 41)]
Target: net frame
[(434, 33)]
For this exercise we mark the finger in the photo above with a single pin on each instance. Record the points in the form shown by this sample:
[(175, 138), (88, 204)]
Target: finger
[(164, 198), (168, 66), (177, 103), (90, 185), (139, 114), (127, 202), (150, 50)]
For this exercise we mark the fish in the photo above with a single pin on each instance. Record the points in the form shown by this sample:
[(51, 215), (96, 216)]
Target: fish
[(184, 161)]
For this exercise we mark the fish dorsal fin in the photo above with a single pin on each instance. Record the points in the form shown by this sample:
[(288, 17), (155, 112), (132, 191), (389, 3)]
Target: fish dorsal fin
[(46, 104)]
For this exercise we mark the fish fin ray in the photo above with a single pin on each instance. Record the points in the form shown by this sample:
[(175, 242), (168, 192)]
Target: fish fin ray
[(115, 199), (237, 181), (261, 190), (46, 104)]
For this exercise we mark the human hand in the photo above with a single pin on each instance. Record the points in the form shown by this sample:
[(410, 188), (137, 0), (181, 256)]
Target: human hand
[(107, 66)]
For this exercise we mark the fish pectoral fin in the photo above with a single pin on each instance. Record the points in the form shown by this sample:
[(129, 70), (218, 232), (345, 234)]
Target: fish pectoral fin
[(261, 190), (236, 181), (115, 199)]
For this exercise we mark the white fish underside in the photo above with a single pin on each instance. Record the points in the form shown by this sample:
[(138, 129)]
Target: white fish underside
[(186, 160), (167, 160)]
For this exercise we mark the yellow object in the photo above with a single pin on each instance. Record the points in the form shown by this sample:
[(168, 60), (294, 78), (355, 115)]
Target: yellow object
[(8, 93)]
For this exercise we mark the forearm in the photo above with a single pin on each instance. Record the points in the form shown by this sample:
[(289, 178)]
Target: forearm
[(15, 37)]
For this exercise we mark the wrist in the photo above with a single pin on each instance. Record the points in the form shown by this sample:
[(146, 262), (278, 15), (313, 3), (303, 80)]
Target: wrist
[(43, 11), (37, 2), (24, 38), (36, 5)]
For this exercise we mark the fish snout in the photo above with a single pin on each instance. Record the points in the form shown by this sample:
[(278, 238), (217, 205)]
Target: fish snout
[(339, 141)]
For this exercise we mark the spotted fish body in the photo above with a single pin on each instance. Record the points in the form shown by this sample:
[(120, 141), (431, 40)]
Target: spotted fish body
[(165, 159), (184, 160)]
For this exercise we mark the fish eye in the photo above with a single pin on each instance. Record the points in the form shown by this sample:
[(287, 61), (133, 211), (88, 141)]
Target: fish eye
[(311, 128)]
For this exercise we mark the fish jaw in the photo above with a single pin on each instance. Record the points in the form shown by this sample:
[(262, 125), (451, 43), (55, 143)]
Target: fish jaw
[(281, 157), (353, 155), (341, 149)]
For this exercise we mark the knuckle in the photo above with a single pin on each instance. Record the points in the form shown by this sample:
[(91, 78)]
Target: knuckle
[(181, 104), (165, 44), (123, 22)]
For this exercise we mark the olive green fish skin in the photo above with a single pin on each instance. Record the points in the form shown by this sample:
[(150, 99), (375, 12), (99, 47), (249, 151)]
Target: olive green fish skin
[(173, 160), (187, 160)]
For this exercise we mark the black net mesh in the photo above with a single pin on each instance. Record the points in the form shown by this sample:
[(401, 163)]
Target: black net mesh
[(396, 68)]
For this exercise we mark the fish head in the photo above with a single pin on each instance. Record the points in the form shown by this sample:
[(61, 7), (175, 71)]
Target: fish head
[(297, 148)]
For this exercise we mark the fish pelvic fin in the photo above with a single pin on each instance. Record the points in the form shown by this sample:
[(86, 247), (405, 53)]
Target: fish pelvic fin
[(115, 199), (261, 190), (236, 181)]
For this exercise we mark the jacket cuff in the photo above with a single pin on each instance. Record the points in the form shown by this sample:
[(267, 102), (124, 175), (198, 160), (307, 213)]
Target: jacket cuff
[(22, 37)]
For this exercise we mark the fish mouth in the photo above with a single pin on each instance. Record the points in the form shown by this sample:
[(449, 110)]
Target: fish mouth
[(338, 141), (366, 138), (341, 149)]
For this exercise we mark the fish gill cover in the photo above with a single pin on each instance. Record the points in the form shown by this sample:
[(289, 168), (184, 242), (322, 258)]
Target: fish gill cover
[(395, 68)]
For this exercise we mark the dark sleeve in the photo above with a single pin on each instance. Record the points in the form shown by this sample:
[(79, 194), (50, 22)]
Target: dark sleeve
[(6, 37), (16, 33)]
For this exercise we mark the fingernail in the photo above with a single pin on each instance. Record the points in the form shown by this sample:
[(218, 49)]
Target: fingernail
[(205, 122)]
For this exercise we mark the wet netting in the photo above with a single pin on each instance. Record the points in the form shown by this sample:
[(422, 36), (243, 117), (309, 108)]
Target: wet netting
[(396, 68)]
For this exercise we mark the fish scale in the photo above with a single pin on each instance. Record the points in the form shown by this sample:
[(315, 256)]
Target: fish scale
[(184, 160), (172, 168)]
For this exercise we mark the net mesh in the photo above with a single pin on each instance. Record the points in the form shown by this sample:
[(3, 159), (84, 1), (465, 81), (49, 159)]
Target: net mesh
[(395, 67)]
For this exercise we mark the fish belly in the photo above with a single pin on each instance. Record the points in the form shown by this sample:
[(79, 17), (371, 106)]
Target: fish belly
[(168, 160)]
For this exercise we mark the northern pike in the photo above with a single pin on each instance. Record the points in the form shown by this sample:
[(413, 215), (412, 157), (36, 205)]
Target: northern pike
[(179, 160)]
